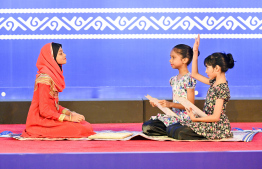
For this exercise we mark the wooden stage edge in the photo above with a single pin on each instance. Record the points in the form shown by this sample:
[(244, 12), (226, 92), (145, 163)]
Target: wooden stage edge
[(126, 111)]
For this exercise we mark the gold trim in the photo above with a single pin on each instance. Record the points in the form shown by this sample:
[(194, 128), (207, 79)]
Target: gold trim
[(64, 110), (61, 117), (46, 79), (70, 117), (57, 106)]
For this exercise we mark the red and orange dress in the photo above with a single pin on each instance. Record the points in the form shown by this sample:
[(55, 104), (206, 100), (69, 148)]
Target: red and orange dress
[(45, 116)]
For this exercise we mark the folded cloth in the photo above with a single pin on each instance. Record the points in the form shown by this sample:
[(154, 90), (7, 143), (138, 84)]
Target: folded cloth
[(5, 134)]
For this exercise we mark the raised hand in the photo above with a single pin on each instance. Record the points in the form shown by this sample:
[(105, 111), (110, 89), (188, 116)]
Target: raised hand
[(196, 44), (195, 73)]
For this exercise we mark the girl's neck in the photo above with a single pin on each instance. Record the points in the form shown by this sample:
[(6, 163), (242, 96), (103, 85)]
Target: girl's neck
[(182, 71), (220, 78)]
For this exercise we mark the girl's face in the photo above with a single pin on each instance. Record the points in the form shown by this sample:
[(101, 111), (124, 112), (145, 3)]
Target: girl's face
[(210, 71), (61, 57), (175, 59)]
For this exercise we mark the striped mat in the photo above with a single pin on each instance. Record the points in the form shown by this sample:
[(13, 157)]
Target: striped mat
[(239, 135)]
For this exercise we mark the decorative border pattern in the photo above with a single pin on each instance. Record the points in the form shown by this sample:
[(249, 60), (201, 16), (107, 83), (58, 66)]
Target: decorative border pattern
[(100, 23), (122, 23)]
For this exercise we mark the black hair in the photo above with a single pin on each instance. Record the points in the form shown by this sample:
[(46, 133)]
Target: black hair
[(55, 47), (185, 50), (225, 61)]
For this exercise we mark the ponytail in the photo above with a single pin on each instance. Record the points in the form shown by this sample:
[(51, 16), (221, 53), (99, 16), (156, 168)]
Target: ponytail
[(230, 63)]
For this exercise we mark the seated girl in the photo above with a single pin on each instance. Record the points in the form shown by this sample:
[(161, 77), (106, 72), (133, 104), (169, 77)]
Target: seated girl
[(182, 84), (46, 118), (216, 124)]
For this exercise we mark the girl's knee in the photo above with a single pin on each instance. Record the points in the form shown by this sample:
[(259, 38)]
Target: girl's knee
[(182, 135), (169, 131), (146, 126), (173, 130)]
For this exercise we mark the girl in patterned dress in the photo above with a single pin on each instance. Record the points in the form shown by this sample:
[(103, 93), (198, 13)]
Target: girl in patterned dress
[(183, 85), (216, 124)]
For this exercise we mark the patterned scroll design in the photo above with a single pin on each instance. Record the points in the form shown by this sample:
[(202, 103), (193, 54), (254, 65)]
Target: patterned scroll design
[(120, 23)]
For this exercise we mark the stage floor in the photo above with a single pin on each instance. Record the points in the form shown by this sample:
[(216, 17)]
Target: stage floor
[(132, 154), (10, 145)]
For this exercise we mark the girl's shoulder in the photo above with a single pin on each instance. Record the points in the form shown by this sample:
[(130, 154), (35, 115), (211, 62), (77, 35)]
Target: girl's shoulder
[(185, 77), (222, 86), (222, 91), (43, 76), (172, 79), (44, 79), (188, 78)]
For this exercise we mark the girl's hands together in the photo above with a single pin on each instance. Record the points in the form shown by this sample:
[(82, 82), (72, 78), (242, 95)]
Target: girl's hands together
[(165, 103), (190, 114), (77, 117), (152, 104)]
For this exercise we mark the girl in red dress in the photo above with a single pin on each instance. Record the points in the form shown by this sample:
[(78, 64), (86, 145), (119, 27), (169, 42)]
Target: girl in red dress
[(46, 118)]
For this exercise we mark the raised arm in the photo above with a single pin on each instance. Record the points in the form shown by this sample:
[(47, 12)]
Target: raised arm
[(195, 73)]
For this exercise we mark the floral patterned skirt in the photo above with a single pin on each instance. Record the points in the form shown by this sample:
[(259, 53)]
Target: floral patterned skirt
[(212, 130)]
